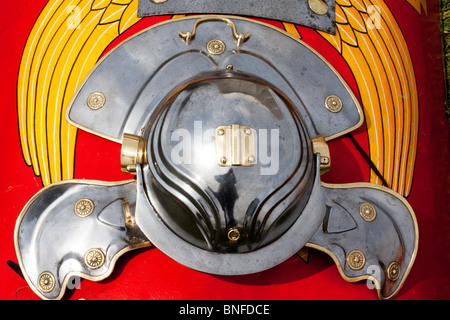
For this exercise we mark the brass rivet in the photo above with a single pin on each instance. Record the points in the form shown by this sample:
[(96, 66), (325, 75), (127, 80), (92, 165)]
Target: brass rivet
[(324, 160), (356, 260), (319, 7), (333, 103), (393, 271), (251, 159), (46, 281), (215, 46), (94, 258), (96, 100), (229, 67), (84, 207), (248, 131), (234, 235), (223, 160), (221, 132), (368, 212)]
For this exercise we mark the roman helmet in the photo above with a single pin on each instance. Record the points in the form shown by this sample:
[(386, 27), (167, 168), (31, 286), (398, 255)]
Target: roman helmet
[(225, 131)]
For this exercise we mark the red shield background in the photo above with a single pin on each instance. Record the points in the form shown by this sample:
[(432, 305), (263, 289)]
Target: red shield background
[(149, 274)]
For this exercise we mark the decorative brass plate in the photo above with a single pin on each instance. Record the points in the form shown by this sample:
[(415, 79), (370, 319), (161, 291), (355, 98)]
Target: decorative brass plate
[(235, 145)]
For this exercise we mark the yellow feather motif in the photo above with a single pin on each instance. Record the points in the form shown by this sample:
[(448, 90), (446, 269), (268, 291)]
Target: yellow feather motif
[(371, 42), (65, 43)]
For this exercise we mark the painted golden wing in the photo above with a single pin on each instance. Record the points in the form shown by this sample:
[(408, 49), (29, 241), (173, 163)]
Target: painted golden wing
[(370, 40), (66, 41)]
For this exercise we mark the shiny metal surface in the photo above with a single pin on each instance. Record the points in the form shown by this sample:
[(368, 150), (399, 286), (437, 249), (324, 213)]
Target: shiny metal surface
[(317, 14), (230, 263), (390, 237), (235, 145), (53, 242), (135, 79), (200, 200)]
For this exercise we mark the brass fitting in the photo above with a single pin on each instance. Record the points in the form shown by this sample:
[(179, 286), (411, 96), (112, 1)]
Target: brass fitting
[(133, 152)]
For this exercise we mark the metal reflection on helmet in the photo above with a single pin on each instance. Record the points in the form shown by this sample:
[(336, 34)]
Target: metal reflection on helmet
[(202, 201)]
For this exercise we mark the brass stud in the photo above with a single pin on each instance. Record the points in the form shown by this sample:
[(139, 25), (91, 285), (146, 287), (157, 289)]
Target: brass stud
[(94, 258), (221, 132), (251, 159), (84, 207), (324, 160), (215, 46), (96, 100), (368, 212), (46, 281), (319, 7), (393, 271), (333, 103), (229, 67), (356, 260), (234, 235), (223, 160)]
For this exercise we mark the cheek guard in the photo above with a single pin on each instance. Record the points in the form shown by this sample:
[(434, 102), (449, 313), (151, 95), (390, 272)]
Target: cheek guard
[(226, 131)]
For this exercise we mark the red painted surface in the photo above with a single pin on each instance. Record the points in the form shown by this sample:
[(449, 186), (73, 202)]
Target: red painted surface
[(149, 274)]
